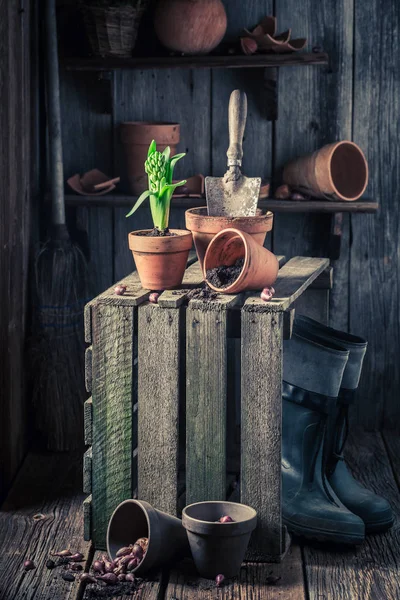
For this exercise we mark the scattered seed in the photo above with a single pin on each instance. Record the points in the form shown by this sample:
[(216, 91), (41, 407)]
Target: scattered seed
[(77, 557), (153, 298), (29, 565), (119, 290), (124, 551), (122, 577), (50, 564), (226, 519), (108, 566), (143, 542), (108, 578), (137, 551), (219, 579), (68, 577), (133, 564), (87, 578), (130, 577), (98, 567), (76, 567), (267, 294), (62, 554)]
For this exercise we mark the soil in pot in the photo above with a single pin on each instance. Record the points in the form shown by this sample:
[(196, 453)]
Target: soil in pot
[(157, 233), (223, 276)]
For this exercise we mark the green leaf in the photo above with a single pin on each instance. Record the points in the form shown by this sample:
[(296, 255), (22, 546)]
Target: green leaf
[(139, 201), (167, 152), (172, 164), (171, 186), (152, 148)]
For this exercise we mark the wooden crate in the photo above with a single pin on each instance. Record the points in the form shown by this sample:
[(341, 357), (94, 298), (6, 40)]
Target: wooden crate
[(155, 370)]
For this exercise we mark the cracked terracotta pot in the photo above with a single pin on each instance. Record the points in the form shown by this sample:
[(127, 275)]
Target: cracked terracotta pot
[(160, 261), (337, 171), (204, 227), (260, 267), (136, 136)]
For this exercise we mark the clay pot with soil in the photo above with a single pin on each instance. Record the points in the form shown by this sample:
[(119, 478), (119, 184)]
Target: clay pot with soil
[(218, 545), (112, 26), (136, 137), (160, 253), (190, 26), (234, 262), (204, 227), (337, 171)]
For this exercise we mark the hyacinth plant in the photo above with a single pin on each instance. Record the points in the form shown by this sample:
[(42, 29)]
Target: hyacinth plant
[(160, 169)]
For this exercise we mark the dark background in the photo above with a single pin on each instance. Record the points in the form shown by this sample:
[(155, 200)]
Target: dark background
[(357, 97)]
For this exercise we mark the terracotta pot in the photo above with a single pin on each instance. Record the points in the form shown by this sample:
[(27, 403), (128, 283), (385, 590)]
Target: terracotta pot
[(160, 261), (204, 227), (260, 268), (136, 137), (190, 26), (134, 519), (335, 172)]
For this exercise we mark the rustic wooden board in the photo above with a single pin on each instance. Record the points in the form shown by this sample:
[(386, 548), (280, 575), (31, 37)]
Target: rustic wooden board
[(185, 584), (371, 570), (293, 279), (15, 236), (206, 388), (173, 298), (261, 381), (88, 421), (112, 389), (374, 257), (158, 405), (42, 514)]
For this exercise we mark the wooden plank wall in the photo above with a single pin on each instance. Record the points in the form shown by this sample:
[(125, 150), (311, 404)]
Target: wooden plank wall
[(14, 228), (356, 97)]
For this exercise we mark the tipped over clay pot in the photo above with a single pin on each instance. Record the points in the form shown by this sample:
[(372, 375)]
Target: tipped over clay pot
[(136, 137), (335, 172), (218, 547), (260, 266), (134, 519), (204, 227), (160, 261)]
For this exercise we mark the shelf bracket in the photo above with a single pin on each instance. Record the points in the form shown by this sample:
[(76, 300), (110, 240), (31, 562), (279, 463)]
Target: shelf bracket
[(335, 241), (271, 93)]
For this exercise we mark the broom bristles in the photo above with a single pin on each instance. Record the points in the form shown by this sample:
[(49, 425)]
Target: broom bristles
[(57, 348)]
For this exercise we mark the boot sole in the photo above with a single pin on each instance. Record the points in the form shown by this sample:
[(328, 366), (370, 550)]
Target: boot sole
[(323, 535), (378, 527)]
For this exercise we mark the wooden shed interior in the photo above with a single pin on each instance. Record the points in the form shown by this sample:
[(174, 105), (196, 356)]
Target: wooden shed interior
[(347, 89)]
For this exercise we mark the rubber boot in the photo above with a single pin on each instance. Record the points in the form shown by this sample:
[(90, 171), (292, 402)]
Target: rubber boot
[(312, 372), (374, 510)]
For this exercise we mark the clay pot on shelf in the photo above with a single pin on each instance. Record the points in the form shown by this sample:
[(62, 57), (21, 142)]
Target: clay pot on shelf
[(204, 227), (160, 261), (218, 547), (190, 26), (112, 30), (136, 137), (134, 519), (337, 171), (260, 267)]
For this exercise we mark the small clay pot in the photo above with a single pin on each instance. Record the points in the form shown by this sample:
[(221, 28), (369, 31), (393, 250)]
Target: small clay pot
[(335, 172), (204, 227), (218, 547), (134, 519), (190, 26), (136, 137), (160, 261), (260, 268)]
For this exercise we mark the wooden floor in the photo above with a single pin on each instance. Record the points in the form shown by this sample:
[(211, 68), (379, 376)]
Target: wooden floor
[(43, 513)]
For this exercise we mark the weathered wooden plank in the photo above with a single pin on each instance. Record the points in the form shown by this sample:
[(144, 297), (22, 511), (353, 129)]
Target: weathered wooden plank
[(374, 256), (371, 570), (88, 369), (174, 298), (88, 421), (87, 518), (42, 514), (185, 584), (87, 471), (158, 405), (112, 389), (206, 388), (293, 279), (261, 383)]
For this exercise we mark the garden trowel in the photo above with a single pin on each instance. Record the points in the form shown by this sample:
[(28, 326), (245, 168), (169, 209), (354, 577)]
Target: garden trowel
[(234, 195)]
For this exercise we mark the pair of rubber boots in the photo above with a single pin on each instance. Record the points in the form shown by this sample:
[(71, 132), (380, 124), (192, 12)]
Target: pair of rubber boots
[(321, 499)]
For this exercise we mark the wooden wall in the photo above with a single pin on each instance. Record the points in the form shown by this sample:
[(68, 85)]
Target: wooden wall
[(14, 228), (357, 97)]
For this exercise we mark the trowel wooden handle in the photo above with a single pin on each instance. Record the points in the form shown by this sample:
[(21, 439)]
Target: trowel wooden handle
[(237, 123)]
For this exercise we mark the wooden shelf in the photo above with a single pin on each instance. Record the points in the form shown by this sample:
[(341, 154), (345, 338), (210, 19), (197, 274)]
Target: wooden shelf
[(197, 62), (286, 206)]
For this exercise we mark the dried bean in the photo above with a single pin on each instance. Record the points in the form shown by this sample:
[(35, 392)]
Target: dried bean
[(108, 578), (29, 565)]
